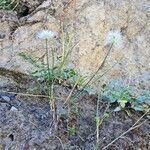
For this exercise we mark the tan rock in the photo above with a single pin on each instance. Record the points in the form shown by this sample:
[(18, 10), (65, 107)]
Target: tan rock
[(93, 20)]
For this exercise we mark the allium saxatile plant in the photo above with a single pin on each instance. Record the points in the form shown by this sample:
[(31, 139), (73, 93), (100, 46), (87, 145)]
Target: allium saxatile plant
[(115, 38), (46, 34)]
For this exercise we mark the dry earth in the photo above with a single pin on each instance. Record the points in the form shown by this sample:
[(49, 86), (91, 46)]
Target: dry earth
[(26, 123)]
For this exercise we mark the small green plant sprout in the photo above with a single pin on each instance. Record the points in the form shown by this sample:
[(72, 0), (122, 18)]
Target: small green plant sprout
[(45, 70), (118, 92), (46, 36), (72, 77), (71, 130), (142, 102), (54, 71)]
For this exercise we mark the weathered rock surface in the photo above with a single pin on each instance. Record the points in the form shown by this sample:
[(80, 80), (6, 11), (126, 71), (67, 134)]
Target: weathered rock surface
[(92, 21), (89, 21)]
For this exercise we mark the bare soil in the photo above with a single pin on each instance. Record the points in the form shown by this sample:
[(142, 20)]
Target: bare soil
[(30, 126)]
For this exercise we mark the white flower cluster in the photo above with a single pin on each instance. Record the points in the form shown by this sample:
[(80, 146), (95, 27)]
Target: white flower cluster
[(115, 38), (46, 34)]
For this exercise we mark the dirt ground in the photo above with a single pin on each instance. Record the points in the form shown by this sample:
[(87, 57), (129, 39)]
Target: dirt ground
[(26, 123)]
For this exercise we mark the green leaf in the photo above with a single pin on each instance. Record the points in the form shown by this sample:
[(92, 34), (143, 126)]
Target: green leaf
[(106, 114), (71, 130), (138, 108), (97, 119), (28, 59), (122, 104), (141, 99), (123, 100)]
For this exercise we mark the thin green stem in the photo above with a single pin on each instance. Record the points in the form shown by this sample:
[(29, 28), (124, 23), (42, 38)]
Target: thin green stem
[(70, 94), (31, 95), (97, 123), (63, 52), (100, 67), (48, 68), (53, 105), (52, 82), (53, 60), (92, 77)]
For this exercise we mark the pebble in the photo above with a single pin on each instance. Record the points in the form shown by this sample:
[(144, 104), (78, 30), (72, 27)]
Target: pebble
[(2, 35), (13, 109), (6, 98)]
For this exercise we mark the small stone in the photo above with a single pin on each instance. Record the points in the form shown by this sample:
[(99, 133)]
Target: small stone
[(2, 35), (117, 109), (13, 109), (6, 98)]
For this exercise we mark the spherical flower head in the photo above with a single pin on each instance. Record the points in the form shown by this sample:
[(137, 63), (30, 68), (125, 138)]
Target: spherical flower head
[(115, 38), (45, 34)]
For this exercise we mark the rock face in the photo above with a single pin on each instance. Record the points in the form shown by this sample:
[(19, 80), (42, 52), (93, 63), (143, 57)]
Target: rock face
[(88, 21)]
